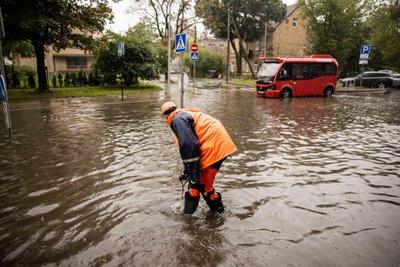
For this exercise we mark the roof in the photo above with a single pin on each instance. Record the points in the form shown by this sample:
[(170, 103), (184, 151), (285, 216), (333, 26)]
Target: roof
[(289, 10)]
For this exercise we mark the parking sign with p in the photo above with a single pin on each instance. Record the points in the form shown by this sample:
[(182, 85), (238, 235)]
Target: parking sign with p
[(365, 49)]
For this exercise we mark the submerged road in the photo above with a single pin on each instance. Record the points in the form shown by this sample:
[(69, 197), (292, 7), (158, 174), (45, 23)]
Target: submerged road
[(94, 182)]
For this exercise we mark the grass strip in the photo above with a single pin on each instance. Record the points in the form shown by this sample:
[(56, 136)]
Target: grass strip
[(87, 91)]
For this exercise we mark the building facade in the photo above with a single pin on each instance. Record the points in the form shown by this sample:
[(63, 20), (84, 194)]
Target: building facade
[(289, 38), (285, 39), (65, 61)]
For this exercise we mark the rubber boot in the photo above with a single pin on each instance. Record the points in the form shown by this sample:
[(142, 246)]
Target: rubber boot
[(191, 203), (216, 204)]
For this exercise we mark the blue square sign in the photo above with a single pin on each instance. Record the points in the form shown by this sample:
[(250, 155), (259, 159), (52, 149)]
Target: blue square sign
[(181, 43), (365, 49), (194, 56)]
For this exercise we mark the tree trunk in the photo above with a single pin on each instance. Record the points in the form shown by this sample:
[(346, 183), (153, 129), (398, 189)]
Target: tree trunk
[(41, 69), (238, 68), (240, 59), (241, 46)]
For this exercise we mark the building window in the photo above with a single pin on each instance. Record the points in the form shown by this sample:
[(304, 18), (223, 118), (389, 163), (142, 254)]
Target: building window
[(76, 62), (294, 23)]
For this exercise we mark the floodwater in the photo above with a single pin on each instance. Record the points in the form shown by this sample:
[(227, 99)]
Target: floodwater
[(94, 182)]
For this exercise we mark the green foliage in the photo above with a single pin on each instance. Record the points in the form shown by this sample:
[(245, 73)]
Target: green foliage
[(67, 80), (60, 79), (44, 22), (250, 16), (248, 19), (336, 28), (15, 83), (386, 35), (91, 79), (84, 79), (32, 82), (25, 70), (96, 79), (73, 79), (340, 28), (140, 59), (54, 81), (24, 48), (67, 92), (207, 61)]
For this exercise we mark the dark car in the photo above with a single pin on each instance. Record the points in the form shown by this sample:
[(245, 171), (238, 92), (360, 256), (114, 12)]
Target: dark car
[(377, 79), (396, 80)]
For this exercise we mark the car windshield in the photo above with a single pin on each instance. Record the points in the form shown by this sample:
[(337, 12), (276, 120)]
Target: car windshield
[(268, 69)]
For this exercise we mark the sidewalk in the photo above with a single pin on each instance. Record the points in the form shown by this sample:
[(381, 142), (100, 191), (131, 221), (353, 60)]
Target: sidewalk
[(357, 89)]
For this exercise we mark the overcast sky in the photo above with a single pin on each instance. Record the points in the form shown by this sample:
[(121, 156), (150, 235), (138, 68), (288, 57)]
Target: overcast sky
[(123, 20)]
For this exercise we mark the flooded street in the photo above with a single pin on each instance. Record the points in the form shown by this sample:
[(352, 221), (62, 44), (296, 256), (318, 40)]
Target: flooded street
[(94, 182)]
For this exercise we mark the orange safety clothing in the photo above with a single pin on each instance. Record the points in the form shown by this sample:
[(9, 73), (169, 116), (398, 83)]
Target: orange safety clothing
[(214, 142)]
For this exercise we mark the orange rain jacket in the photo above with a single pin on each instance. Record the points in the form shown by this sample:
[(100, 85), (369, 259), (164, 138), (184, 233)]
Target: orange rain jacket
[(202, 140)]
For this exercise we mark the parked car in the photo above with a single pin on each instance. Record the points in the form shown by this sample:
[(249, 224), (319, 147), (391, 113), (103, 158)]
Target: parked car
[(377, 79), (396, 80), (212, 74), (387, 71)]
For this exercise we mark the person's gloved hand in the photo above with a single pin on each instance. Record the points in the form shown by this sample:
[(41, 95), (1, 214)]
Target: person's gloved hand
[(183, 177)]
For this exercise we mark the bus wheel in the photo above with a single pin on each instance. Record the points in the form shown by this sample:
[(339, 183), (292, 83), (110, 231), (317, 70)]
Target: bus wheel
[(286, 93), (328, 92)]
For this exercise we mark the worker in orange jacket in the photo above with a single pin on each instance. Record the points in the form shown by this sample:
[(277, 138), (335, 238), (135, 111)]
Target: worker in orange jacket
[(203, 144)]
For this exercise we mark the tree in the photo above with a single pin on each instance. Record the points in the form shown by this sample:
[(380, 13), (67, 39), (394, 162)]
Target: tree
[(386, 34), (73, 79), (61, 23), (54, 80), (248, 19), (31, 82), (60, 79), (337, 28), (165, 13), (67, 80), (146, 32), (207, 62), (139, 61)]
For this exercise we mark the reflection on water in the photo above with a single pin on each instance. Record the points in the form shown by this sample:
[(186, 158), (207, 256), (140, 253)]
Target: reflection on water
[(315, 182)]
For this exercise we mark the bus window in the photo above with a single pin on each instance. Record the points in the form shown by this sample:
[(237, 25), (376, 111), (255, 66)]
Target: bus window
[(268, 70), (316, 70), (330, 69), (285, 73), (300, 71)]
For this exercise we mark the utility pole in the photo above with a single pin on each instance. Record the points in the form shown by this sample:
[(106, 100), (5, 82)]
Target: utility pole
[(194, 62), (265, 37), (228, 37), (169, 62)]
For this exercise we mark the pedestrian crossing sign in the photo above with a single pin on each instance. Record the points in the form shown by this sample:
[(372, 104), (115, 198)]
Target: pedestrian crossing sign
[(194, 56), (181, 43)]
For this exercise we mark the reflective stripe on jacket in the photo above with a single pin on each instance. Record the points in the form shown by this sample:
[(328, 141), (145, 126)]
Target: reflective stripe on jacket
[(200, 136)]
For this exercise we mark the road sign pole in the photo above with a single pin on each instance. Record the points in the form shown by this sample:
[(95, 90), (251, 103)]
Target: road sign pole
[(182, 85), (194, 75), (362, 71), (120, 53)]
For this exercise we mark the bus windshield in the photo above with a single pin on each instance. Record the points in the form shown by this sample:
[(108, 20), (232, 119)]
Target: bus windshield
[(268, 70)]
